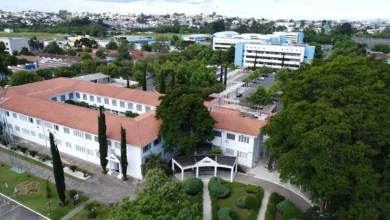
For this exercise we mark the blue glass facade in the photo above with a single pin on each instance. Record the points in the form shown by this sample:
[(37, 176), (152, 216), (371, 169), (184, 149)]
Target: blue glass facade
[(239, 55)]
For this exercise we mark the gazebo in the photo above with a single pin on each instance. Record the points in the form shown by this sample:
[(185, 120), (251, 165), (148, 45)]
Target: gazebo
[(205, 160)]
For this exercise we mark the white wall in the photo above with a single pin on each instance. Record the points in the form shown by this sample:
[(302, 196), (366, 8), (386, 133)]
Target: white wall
[(14, 44), (236, 145)]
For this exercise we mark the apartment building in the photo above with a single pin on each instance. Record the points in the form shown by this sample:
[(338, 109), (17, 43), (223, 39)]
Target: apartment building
[(224, 40), (275, 56), (32, 111), (12, 44)]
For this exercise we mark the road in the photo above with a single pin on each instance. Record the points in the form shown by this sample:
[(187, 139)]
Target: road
[(266, 83)]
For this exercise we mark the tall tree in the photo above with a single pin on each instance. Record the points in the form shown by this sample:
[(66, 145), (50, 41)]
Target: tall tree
[(144, 80), (162, 82), (260, 97), (332, 136), (230, 54), (34, 43), (123, 153), (58, 170), (53, 48), (112, 45), (186, 121), (123, 50), (225, 78), (102, 136), (24, 77)]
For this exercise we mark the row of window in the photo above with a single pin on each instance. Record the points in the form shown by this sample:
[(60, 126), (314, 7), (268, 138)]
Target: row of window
[(239, 153), (241, 138)]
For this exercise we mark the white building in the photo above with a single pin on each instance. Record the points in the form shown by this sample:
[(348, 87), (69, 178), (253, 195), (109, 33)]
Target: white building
[(12, 44), (33, 110), (224, 40)]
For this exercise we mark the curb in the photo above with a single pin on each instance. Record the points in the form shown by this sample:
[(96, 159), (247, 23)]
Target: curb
[(20, 204)]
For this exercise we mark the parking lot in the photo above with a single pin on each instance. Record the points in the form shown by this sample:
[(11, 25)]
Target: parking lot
[(266, 83), (11, 210)]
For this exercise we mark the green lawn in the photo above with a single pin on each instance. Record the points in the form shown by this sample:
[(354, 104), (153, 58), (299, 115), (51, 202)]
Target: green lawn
[(35, 201), (102, 210), (237, 190), (40, 36)]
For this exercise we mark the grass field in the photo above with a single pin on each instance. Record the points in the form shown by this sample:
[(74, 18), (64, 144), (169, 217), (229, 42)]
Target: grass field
[(102, 210), (38, 200), (40, 36), (237, 190)]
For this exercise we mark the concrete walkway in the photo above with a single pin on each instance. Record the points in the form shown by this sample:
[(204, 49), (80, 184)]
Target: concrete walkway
[(206, 202), (263, 207)]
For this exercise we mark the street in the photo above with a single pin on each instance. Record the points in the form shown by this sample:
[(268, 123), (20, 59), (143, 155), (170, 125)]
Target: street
[(266, 83)]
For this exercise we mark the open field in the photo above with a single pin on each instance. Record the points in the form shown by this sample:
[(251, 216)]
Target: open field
[(40, 36), (33, 194)]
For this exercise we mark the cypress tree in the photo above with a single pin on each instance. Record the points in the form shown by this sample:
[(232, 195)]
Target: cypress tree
[(128, 82), (123, 153), (220, 78), (102, 138), (144, 80), (162, 82), (225, 81), (58, 170)]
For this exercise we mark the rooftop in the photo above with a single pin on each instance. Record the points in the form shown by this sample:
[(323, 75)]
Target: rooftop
[(91, 77)]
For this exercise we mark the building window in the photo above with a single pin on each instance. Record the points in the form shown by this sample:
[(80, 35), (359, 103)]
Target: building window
[(139, 107), (31, 120), (54, 98), (66, 130), (230, 136), (71, 95), (78, 133), (47, 124), (146, 148), (96, 138), (91, 98), (109, 143), (17, 128), (122, 104), (85, 97), (7, 113), (147, 108), (90, 152), (26, 131), (157, 141), (22, 117), (117, 145), (130, 105), (33, 133), (14, 115), (99, 99), (113, 102), (63, 98), (217, 134), (38, 122), (77, 95), (9, 126), (58, 141), (41, 136), (56, 127), (67, 144), (106, 101), (244, 139), (88, 137), (242, 154), (229, 151), (97, 153), (79, 148)]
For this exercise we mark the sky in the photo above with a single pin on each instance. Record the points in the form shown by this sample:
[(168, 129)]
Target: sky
[(269, 9)]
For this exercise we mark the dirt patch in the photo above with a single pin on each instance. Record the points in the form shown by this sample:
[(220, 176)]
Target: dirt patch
[(27, 188)]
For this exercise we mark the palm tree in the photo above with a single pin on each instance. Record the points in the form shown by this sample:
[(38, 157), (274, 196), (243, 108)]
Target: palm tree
[(34, 43)]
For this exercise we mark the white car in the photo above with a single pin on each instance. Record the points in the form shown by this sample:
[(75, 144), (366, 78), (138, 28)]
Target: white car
[(262, 78)]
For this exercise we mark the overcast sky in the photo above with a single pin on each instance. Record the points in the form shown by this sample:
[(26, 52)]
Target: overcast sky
[(272, 9)]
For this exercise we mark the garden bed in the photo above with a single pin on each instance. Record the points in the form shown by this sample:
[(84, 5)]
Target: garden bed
[(44, 160)]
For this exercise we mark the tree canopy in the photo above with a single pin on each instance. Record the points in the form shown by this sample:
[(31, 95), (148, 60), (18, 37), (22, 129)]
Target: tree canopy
[(186, 121), (332, 136), (381, 48), (260, 97), (53, 48), (24, 77)]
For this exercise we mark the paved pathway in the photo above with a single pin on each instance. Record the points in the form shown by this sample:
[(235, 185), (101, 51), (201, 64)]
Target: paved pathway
[(75, 211), (206, 202), (263, 207)]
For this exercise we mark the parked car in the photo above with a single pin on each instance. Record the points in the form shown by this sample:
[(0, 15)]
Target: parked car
[(264, 75), (256, 81), (239, 95), (262, 78)]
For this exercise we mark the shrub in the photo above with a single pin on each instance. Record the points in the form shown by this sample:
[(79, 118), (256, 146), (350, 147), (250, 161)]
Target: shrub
[(241, 202), (217, 188), (282, 206), (225, 214), (44, 157), (193, 186), (83, 104), (72, 193), (130, 114), (18, 147), (216, 151), (251, 189), (73, 167), (70, 101), (259, 196), (88, 50), (271, 207), (4, 142), (23, 150), (134, 86), (292, 212), (214, 207), (33, 153)]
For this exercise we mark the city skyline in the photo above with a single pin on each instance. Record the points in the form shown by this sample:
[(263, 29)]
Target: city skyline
[(275, 9)]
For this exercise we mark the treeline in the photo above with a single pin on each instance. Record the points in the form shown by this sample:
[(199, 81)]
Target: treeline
[(378, 35), (75, 26)]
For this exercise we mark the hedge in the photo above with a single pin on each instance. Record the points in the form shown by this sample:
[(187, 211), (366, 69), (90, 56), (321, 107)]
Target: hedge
[(193, 186), (259, 194), (224, 214), (283, 205), (292, 212), (214, 207), (247, 202), (217, 189), (271, 207), (241, 202)]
